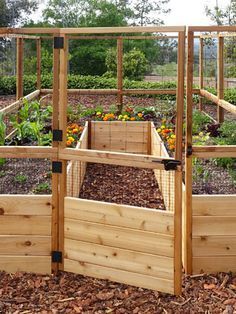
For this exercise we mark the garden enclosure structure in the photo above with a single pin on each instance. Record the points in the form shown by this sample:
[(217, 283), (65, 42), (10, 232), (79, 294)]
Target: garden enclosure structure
[(133, 245), (129, 244)]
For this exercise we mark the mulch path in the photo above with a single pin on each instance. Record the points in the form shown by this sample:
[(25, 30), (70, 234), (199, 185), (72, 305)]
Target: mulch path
[(69, 293), (121, 185)]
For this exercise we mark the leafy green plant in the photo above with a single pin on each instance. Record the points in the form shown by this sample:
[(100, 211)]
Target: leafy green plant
[(200, 121), (42, 188), (20, 178)]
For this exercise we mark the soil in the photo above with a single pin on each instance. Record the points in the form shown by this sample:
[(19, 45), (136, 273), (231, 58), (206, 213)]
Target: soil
[(213, 179), (121, 185), (69, 293), (25, 176)]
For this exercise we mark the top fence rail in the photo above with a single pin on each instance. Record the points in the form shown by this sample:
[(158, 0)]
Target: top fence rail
[(94, 30)]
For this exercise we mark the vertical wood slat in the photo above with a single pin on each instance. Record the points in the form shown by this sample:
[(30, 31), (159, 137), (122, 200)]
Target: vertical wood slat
[(220, 77), (120, 72), (38, 49), (55, 176), (200, 71), (19, 67), (178, 174), (188, 159), (62, 126)]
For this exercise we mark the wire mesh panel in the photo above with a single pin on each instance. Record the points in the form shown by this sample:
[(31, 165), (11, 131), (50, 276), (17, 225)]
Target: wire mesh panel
[(25, 176), (214, 176)]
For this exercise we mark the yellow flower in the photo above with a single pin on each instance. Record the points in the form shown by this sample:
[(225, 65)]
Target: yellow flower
[(201, 134), (126, 117), (163, 127), (173, 136), (98, 113), (120, 117), (140, 115), (159, 130), (71, 139)]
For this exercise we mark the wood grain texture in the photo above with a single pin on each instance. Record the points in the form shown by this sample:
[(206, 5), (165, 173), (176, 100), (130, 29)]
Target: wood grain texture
[(35, 264), (122, 276), (141, 241), (144, 219), (129, 260), (213, 264)]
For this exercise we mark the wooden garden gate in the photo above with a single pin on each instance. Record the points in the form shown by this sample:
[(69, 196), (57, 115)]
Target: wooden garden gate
[(127, 244)]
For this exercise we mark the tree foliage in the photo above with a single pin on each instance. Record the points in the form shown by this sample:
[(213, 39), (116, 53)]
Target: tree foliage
[(14, 12), (222, 15), (135, 64)]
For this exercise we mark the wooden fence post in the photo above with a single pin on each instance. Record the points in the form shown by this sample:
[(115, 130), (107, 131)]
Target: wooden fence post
[(38, 48), (62, 126), (200, 71), (120, 73), (220, 78), (178, 174), (188, 159), (19, 67), (55, 176)]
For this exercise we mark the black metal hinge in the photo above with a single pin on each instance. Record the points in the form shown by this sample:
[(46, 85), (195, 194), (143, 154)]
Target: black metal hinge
[(56, 167), (56, 257), (169, 164), (57, 135), (58, 42)]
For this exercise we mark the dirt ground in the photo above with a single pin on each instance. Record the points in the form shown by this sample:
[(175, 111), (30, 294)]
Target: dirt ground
[(23, 293)]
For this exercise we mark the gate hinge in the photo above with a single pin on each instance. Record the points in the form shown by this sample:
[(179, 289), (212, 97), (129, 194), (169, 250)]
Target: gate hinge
[(58, 42), (189, 151), (56, 167), (56, 257), (57, 135), (169, 164)]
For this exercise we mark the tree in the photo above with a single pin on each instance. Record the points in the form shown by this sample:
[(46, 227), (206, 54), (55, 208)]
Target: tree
[(222, 16), (14, 12), (148, 12)]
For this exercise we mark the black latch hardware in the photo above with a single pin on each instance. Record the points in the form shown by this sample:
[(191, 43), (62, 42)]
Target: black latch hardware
[(58, 42), (189, 151), (57, 135), (171, 164), (56, 257), (56, 167)]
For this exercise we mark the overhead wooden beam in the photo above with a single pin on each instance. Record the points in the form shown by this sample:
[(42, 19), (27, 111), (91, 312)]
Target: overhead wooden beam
[(27, 152)]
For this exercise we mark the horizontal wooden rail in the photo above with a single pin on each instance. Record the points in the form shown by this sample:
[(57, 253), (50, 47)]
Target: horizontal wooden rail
[(115, 158), (116, 91), (20, 36), (17, 104), (221, 102), (212, 28), (28, 152), (94, 30), (214, 151)]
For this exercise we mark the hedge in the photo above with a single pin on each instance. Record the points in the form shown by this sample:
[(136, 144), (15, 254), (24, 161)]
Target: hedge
[(8, 85)]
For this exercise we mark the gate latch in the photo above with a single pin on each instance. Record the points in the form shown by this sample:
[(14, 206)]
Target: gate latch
[(56, 257), (169, 164)]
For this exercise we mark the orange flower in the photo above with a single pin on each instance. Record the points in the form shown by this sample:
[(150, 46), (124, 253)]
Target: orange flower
[(68, 143), (105, 118), (140, 115), (74, 131), (132, 119)]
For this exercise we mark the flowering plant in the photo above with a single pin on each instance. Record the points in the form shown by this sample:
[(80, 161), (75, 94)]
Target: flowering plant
[(73, 133), (168, 135)]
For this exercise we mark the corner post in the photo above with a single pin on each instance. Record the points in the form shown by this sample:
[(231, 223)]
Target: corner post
[(220, 77), (188, 157), (19, 68), (120, 73)]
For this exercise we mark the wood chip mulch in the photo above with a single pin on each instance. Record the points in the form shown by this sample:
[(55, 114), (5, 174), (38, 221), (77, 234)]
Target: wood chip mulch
[(121, 185), (69, 293)]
